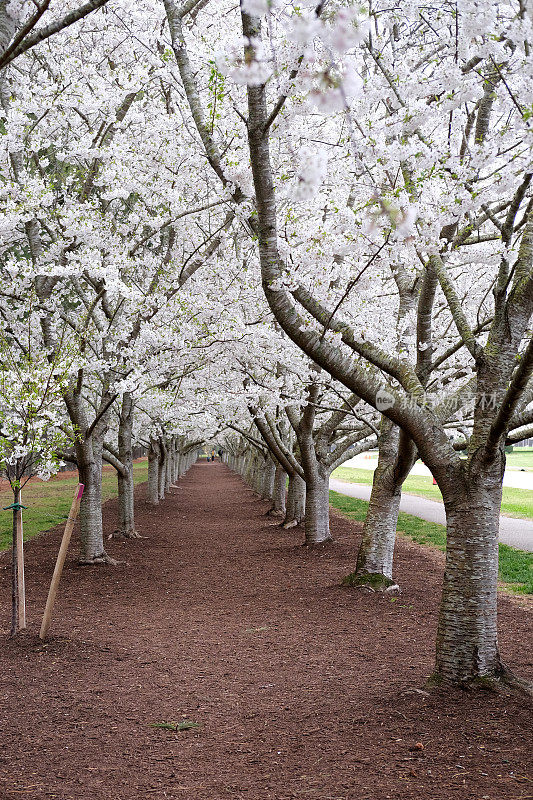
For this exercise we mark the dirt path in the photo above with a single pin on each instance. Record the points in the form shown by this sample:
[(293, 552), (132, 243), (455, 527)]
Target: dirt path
[(302, 689)]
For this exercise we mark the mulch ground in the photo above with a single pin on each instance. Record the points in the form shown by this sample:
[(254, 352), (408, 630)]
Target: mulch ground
[(301, 688)]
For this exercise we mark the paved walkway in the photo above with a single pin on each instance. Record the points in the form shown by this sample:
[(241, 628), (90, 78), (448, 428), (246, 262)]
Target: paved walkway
[(515, 532)]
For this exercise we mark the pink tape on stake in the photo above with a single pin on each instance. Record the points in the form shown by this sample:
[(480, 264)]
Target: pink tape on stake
[(81, 487)]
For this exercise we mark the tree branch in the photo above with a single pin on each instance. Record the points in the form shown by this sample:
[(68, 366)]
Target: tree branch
[(15, 50), (456, 309)]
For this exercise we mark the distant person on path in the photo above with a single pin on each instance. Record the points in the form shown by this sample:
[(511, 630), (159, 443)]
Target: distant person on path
[(212, 455), (220, 452)]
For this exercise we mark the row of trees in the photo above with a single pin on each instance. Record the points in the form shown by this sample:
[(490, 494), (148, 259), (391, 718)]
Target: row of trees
[(314, 236), (94, 266)]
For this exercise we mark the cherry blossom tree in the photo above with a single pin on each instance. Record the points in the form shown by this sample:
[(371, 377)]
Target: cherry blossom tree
[(489, 74), (79, 184), (30, 426), (424, 174)]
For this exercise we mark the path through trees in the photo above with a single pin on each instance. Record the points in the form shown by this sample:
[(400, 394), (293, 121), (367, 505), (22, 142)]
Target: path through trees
[(302, 689)]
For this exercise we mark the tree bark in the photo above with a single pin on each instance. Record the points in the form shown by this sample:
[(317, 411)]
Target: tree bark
[(162, 468), (248, 469), (269, 472), (295, 508), (169, 464), (317, 509), (252, 473), (467, 637), (126, 512), (316, 475), (257, 474), (126, 486), (14, 570), (89, 457), (88, 447), (153, 472), (176, 463), (279, 493), (376, 551)]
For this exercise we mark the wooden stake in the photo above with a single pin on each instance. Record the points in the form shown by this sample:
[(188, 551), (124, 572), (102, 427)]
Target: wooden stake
[(61, 556)]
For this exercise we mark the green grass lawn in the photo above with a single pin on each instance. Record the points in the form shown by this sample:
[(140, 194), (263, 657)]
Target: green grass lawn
[(515, 502), (49, 501), (516, 566), (521, 458)]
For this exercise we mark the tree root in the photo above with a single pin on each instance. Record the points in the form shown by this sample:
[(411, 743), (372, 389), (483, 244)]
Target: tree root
[(319, 545), (291, 523), (508, 677), (102, 558), (273, 513), (118, 534), (374, 581), (504, 677)]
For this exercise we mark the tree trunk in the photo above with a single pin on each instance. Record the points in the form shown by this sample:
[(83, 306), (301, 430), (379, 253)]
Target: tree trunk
[(14, 569), (255, 474), (89, 455), (269, 471), (375, 556), (126, 512), (177, 465), (317, 510), (168, 465), (126, 486), (162, 469), (250, 471), (376, 551), (467, 637), (295, 509), (279, 493), (153, 473)]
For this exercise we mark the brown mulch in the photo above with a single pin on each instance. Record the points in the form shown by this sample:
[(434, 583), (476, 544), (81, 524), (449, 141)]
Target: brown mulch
[(301, 688)]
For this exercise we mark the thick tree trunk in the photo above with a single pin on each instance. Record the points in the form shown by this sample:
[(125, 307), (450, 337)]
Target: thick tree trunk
[(153, 473), (467, 638), (295, 508), (279, 493), (376, 551), (316, 474), (375, 556), (396, 458), (317, 510), (92, 551), (126, 512)]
